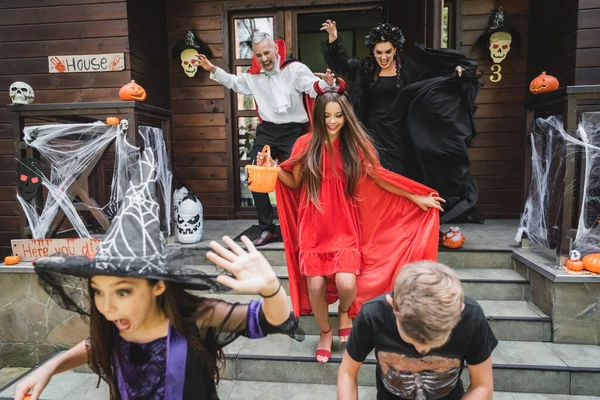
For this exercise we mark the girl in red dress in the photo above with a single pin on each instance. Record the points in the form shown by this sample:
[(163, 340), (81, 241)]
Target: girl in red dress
[(320, 196)]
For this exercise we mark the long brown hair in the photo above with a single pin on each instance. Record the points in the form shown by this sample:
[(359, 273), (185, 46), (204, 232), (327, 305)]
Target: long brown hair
[(355, 145), (181, 308)]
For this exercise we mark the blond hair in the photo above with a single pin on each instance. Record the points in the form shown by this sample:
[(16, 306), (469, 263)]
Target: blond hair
[(428, 299)]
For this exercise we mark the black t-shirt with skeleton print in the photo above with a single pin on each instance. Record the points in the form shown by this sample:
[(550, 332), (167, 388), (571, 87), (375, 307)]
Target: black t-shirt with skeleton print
[(401, 371)]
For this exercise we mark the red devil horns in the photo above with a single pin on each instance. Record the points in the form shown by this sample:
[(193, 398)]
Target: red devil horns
[(340, 90)]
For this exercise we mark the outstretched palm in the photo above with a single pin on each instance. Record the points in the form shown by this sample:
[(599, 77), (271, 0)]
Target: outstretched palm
[(252, 271)]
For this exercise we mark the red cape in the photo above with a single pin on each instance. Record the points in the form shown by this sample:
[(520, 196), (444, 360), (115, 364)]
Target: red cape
[(284, 62), (394, 232)]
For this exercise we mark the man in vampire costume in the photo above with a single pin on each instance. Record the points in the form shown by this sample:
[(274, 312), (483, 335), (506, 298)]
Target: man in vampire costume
[(282, 89)]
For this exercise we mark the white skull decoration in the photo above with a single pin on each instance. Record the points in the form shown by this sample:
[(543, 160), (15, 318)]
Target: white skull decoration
[(574, 255), (21, 93), (190, 222), (124, 125), (500, 46), (188, 62)]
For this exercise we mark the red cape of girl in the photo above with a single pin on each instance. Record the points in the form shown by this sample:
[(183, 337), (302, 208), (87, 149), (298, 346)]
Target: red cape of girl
[(394, 232)]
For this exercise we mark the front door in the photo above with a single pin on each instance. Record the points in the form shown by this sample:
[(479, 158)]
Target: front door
[(300, 28)]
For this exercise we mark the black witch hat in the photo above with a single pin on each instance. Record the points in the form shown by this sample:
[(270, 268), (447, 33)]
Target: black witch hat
[(498, 23), (191, 42), (134, 247)]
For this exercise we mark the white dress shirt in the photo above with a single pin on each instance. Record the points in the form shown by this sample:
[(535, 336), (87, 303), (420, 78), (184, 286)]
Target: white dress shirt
[(278, 94)]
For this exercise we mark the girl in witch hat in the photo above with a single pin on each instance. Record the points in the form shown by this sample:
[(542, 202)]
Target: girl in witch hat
[(145, 328), (348, 224)]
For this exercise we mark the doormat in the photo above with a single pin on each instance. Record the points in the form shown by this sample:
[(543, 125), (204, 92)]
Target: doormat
[(254, 232)]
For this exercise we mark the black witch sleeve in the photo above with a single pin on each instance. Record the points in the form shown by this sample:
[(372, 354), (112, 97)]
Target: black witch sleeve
[(338, 59)]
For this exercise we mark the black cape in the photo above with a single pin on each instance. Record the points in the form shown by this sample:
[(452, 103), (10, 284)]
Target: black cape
[(429, 126)]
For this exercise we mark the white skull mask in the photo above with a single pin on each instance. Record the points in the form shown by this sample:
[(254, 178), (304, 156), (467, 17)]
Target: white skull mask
[(21, 93), (188, 62), (190, 220), (499, 46), (574, 255)]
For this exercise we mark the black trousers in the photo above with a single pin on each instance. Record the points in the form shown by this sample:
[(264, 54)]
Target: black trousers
[(281, 139)]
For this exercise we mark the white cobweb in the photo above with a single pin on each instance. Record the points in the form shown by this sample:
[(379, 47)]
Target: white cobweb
[(69, 149), (550, 145)]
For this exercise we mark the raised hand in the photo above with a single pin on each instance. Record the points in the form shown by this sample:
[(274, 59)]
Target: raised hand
[(58, 65), (330, 27), (114, 64), (253, 273), (427, 202), (328, 77), (202, 60)]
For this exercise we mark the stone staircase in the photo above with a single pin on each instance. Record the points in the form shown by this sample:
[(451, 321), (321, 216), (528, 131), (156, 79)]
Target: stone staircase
[(525, 360), (526, 363)]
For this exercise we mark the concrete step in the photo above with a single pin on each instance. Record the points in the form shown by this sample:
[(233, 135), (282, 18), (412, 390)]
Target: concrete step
[(195, 254), (85, 386), (518, 366), (480, 284), (510, 320)]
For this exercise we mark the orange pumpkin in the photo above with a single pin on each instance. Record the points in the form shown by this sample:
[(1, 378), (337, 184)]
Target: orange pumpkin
[(132, 92), (112, 121), (11, 260), (543, 84), (454, 238), (591, 262)]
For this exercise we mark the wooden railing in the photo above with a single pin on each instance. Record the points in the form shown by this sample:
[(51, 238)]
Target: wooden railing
[(567, 102), (136, 113)]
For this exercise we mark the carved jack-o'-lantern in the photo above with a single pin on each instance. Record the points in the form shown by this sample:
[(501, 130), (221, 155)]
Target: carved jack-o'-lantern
[(543, 84), (574, 263), (132, 92), (454, 238)]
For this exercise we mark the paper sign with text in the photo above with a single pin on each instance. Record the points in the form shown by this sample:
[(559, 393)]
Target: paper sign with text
[(86, 63), (30, 249)]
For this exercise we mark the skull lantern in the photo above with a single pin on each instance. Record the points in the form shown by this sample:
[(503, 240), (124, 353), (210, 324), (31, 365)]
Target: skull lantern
[(188, 62), (21, 93), (453, 239), (29, 178), (189, 220), (500, 46)]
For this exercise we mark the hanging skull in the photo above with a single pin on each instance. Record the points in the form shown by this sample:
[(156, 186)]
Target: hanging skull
[(500, 46), (21, 93), (29, 178), (188, 62), (189, 220)]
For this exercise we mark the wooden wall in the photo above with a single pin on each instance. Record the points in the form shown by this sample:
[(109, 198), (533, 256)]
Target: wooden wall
[(497, 153), (587, 57), (32, 30)]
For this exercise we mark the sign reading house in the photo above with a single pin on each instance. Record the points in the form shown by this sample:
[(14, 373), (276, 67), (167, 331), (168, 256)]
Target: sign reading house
[(86, 63)]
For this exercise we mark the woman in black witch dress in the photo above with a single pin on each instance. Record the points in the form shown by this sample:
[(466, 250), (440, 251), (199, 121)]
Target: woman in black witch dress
[(418, 110)]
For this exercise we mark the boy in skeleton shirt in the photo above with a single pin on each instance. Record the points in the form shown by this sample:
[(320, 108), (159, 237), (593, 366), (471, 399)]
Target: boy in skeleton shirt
[(280, 88), (422, 334)]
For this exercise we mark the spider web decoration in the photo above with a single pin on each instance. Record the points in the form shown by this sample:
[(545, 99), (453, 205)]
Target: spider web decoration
[(550, 144), (70, 148), (153, 137), (134, 239)]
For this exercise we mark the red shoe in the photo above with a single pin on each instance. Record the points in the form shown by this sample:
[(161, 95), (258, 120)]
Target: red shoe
[(323, 352), (344, 333)]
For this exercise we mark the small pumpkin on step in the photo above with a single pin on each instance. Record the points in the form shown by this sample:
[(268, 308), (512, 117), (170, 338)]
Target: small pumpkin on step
[(11, 260), (454, 238)]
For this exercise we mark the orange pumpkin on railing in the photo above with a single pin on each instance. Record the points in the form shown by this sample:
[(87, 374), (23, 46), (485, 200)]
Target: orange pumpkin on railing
[(132, 92), (112, 121), (591, 262), (574, 263), (543, 84)]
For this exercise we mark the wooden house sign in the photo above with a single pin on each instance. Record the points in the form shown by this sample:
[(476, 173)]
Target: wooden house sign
[(86, 63)]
